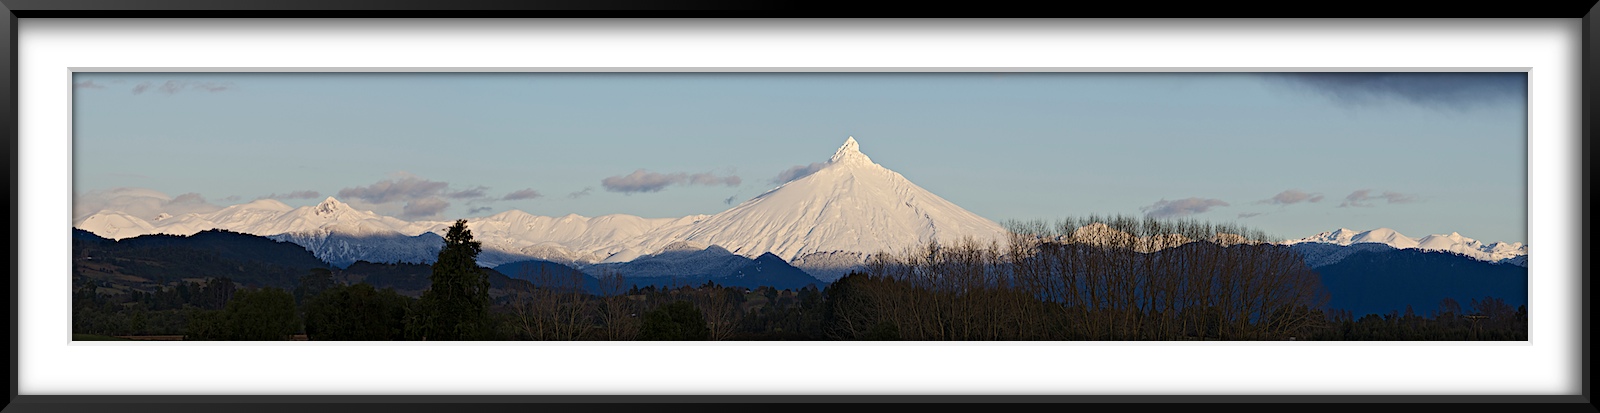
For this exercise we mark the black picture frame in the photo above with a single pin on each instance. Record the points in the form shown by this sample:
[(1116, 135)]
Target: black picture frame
[(25, 9)]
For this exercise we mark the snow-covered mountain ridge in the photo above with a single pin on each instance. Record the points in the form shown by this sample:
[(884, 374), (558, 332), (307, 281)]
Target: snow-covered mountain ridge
[(848, 209), (1514, 252), (827, 223)]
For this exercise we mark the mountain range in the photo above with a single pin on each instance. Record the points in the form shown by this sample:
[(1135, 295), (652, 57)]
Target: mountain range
[(1513, 253), (826, 223), (833, 219)]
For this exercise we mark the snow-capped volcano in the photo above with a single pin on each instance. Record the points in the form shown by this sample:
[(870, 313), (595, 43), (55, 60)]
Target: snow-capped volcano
[(851, 205), (1453, 242), (836, 217)]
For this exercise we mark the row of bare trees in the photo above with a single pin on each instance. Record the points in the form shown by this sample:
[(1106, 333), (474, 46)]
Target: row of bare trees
[(1094, 278), (561, 309)]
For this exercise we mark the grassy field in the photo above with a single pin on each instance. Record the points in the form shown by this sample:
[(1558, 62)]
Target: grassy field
[(93, 337)]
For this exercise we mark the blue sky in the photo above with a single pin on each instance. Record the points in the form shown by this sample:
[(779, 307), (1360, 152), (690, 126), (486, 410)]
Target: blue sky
[(1289, 154)]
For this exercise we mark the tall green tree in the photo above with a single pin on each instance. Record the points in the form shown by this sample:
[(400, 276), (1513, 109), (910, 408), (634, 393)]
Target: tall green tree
[(456, 305)]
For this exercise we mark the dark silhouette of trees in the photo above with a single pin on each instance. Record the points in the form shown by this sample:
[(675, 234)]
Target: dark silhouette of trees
[(558, 308), (1099, 278), (677, 321), (357, 312), (264, 314), (456, 305), (721, 307), (618, 309), (313, 284)]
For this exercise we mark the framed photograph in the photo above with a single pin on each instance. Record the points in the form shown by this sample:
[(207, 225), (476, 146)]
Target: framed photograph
[(394, 121)]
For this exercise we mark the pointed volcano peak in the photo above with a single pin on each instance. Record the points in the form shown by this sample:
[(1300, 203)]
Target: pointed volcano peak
[(850, 153), (330, 205)]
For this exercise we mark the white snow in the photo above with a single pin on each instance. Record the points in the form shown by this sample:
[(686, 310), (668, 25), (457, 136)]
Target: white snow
[(115, 225), (851, 204), (848, 209), (1452, 242), (828, 223)]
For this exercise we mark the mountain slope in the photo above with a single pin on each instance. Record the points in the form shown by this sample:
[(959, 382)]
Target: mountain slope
[(851, 204), (153, 260), (1380, 281), (837, 216), (572, 239)]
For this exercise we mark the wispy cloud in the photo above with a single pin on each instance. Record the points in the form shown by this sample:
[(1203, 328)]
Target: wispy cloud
[(1291, 197), (407, 188), (797, 172), (585, 192), (1181, 208), (646, 181), (1366, 197), (306, 194), (424, 208), (480, 209), (88, 84), (640, 181), (476, 192), (1250, 214), (191, 198), (528, 193), (710, 179), (422, 198), (175, 86), (143, 203), (1456, 90)]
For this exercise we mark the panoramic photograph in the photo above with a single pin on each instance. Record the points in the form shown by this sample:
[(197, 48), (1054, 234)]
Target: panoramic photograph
[(972, 206)]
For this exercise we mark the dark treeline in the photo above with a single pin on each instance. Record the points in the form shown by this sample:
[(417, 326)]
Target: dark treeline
[(455, 305), (1121, 278), (1111, 278)]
